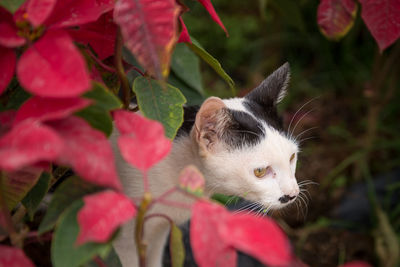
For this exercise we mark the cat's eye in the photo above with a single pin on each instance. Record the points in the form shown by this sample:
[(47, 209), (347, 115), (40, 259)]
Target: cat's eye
[(261, 172), (292, 157)]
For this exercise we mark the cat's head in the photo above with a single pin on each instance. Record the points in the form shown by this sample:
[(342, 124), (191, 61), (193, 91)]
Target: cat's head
[(243, 147)]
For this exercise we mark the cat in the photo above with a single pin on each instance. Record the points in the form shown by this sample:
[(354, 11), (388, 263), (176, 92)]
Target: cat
[(241, 148)]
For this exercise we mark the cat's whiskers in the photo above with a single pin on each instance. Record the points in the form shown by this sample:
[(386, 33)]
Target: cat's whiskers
[(297, 123), (305, 131), (294, 116)]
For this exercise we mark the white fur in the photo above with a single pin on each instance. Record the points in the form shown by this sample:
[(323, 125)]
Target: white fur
[(225, 172)]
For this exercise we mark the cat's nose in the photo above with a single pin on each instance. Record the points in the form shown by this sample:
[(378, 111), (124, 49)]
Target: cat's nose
[(286, 198)]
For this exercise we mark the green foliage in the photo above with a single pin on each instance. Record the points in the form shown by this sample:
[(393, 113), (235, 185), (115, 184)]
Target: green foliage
[(161, 102), (177, 247), (11, 5), (69, 191), (65, 252), (32, 200)]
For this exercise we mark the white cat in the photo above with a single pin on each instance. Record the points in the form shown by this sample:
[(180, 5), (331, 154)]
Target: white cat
[(240, 147)]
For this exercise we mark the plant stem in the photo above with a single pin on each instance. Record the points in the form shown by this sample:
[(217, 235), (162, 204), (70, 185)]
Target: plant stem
[(126, 96), (99, 62), (140, 219)]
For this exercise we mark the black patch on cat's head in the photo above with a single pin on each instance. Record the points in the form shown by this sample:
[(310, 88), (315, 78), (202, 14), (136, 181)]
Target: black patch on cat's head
[(242, 130), (263, 99)]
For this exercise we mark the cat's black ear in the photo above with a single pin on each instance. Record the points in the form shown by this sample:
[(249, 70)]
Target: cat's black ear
[(209, 124), (273, 89)]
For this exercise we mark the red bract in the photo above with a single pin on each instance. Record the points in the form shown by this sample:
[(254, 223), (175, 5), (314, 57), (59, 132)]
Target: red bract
[(184, 37), (259, 237), (39, 10), (13, 257), (191, 179), (45, 108), (28, 143), (208, 248), (142, 141), (209, 7), (214, 231), (7, 67), (383, 20), (53, 67), (149, 28), (88, 151), (102, 214), (8, 30), (336, 17), (68, 13), (6, 120), (99, 34)]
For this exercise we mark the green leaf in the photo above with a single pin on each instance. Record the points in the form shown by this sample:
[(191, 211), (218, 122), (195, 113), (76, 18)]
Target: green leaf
[(98, 115), (186, 65), (111, 260), (15, 185), (192, 96), (291, 12), (11, 5), (103, 98), (161, 102), (177, 249), (17, 98), (210, 60), (72, 189), (64, 251), (98, 118), (32, 200)]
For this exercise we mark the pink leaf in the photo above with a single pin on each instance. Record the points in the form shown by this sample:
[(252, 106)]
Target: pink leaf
[(356, 264), (99, 34), (210, 9), (383, 20), (336, 17), (13, 257), (208, 248), (142, 141), (6, 120), (28, 143), (88, 151), (259, 237), (191, 179), (149, 29), (8, 30), (68, 13), (102, 214), (53, 67), (39, 10), (7, 67), (46, 108), (184, 37)]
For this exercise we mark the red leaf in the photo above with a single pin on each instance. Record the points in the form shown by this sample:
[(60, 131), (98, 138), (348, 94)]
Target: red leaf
[(53, 67), (208, 248), (13, 257), (68, 13), (184, 37), (39, 10), (191, 179), (142, 141), (46, 108), (99, 34), (336, 17), (383, 20), (102, 214), (209, 7), (259, 237), (28, 143), (356, 264), (87, 151), (8, 30), (149, 28), (7, 67), (6, 120)]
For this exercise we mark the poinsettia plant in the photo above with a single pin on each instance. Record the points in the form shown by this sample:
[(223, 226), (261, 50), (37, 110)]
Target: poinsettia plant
[(68, 69)]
